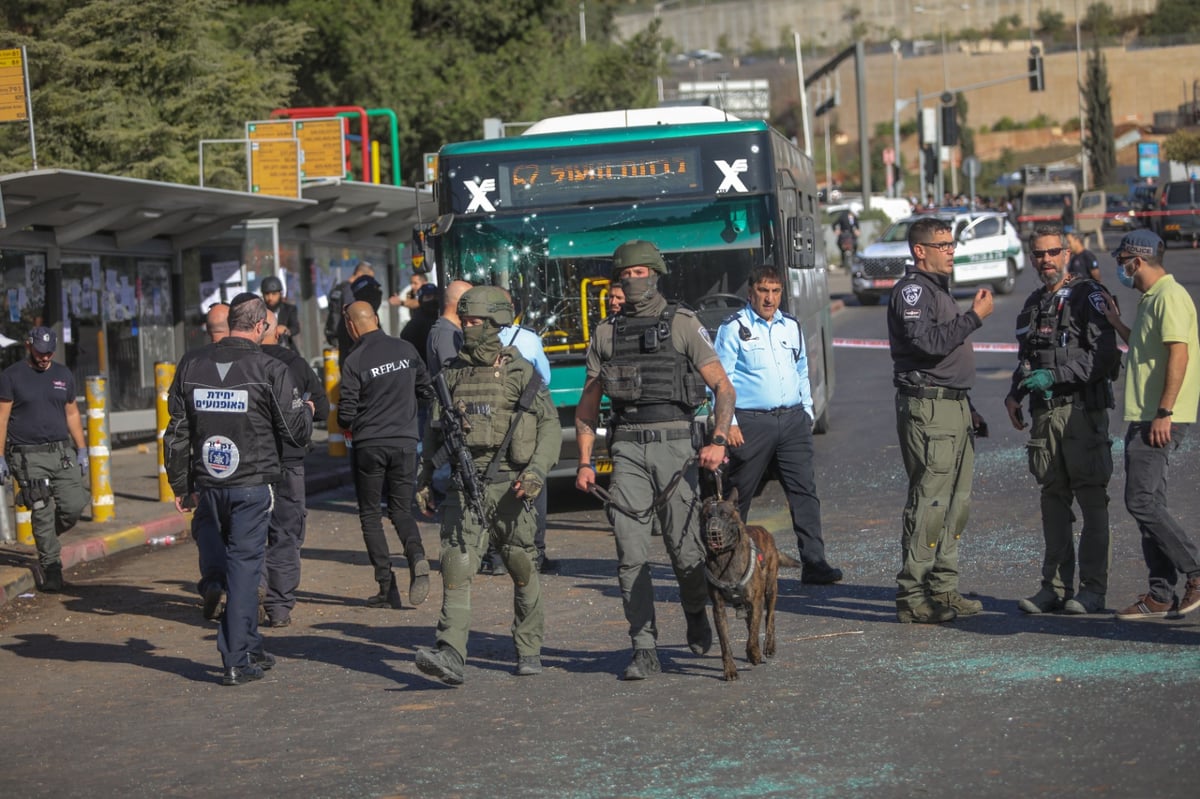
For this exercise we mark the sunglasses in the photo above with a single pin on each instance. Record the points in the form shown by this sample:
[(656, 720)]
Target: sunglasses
[(944, 246), (1053, 252)]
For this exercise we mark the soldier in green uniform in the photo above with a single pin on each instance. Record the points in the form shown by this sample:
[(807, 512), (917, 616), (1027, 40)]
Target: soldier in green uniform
[(486, 383), (654, 360), (1067, 359)]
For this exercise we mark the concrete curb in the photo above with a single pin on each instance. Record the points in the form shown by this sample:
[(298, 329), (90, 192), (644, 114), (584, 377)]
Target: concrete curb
[(170, 529)]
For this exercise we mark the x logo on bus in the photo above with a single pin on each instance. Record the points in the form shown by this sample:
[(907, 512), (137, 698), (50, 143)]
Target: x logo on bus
[(479, 193), (732, 182)]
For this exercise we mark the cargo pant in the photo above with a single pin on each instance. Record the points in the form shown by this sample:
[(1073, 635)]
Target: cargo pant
[(55, 462), (641, 473), (1070, 455), (511, 527), (939, 456)]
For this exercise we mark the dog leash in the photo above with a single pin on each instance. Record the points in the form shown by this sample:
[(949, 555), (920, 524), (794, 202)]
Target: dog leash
[(644, 514)]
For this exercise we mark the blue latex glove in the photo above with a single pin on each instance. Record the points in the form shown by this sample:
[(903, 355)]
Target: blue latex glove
[(81, 457), (4, 471), (1040, 380)]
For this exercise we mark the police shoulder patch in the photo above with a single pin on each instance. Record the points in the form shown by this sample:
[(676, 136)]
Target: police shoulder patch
[(1096, 298), (911, 294)]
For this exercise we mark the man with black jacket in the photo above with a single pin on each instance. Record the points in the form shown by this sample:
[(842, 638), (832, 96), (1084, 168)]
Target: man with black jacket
[(933, 369), (285, 535), (382, 379), (232, 407)]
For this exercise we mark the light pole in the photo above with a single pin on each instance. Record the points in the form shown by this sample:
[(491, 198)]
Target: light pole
[(1083, 159), (896, 111)]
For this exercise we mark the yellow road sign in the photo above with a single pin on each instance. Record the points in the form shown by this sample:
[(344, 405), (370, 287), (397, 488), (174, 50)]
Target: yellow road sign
[(275, 167), (275, 129), (13, 105), (323, 144)]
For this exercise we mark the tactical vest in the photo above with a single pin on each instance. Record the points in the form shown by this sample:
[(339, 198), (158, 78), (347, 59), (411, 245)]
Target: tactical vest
[(1049, 342), (647, 379), (487, 396)]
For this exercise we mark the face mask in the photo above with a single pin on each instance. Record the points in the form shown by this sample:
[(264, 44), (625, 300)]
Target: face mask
[(640, 292), (1126, 279), (481, 343)]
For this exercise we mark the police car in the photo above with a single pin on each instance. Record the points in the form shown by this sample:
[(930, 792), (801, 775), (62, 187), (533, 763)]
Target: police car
[(989, 252)]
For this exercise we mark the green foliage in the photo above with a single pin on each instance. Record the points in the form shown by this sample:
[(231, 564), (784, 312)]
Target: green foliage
[(1183, 146), (1097, 95), (130, 87), (1173, 17), (1099, 20), (1006, 28), (1050, 23)]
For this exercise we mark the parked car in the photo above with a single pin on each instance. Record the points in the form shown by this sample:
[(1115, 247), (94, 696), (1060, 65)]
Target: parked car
[(1179, 203), (989, 252), (1119, 216)]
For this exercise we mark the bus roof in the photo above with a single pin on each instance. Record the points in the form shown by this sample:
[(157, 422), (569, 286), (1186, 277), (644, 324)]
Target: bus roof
[(601, 136), (631, 118)]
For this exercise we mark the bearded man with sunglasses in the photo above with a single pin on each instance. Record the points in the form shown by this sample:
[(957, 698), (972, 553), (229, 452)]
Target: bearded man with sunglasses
[(1067, 361), (933, 371)]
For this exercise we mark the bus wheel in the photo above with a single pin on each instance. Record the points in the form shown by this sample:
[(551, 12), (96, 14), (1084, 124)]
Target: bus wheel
[(867, 299), (1009, 282)]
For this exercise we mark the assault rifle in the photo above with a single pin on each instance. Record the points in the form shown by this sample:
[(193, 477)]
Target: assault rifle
[(454, 442)]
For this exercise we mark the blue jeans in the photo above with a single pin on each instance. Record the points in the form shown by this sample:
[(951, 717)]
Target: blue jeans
[(1165, 544), (242, 515)]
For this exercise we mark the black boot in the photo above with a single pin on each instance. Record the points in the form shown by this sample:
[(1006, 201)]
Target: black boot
[(388, 596), (52, 579), (418, 575)]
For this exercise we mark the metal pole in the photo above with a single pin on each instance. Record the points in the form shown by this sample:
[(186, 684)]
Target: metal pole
[(828, 149), (896, 110), (333, 385), (164, 375), (864, 144), (1083, 159), (920, 151), (98, 451), (808, 150), (29, 108)]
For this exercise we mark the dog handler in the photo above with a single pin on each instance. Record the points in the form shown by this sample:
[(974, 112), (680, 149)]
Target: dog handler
[(663, 350)]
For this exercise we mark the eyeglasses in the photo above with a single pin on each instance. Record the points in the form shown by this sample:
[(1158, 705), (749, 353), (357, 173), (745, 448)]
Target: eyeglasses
[(1121, 261), (944, 246), (1053, 252)]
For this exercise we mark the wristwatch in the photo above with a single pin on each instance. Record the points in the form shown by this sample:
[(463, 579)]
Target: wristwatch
[(1163, 413), (718, 440)]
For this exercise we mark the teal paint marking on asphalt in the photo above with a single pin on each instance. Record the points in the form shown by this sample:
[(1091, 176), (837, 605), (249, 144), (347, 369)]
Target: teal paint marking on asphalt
[(1164, 667)]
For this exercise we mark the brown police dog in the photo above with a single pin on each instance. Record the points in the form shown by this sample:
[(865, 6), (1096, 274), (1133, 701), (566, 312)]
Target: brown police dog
[(742, 566)]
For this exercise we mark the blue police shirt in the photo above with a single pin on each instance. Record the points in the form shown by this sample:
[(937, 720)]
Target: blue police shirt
[(765, 360), (529, 344)]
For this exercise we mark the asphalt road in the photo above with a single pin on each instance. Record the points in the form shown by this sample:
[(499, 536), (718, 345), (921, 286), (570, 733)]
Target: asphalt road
[(112, 689)]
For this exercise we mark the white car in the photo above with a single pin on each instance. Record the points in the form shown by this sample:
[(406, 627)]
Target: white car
[(989, 252)]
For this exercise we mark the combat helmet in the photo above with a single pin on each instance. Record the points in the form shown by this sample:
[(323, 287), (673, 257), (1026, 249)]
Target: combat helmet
[(637, 253), (487, 302)]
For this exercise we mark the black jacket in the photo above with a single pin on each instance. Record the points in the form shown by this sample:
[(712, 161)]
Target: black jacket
[(382, 378), (232, 408), (309, 384), (928, 334)]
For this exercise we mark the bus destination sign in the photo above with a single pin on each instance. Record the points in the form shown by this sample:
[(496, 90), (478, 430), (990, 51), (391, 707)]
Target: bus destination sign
[(530, 183)]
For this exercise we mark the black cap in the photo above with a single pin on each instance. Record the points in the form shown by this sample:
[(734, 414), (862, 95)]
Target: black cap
[(43, 339), (270, 284)]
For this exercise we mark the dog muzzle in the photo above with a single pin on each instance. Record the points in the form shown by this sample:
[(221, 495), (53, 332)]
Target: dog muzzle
[(720, 534)]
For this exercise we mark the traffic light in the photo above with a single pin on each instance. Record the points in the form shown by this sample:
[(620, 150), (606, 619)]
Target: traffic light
[(1037, 71), (949, 121)]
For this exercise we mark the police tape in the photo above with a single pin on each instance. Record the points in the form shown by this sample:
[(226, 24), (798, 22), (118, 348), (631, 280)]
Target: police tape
[(977, 346), (1133, 214)]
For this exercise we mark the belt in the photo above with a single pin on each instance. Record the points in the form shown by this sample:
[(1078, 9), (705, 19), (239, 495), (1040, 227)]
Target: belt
[(780, 411), (932, 392), (650, 436), (53, 446), (1054, 402)]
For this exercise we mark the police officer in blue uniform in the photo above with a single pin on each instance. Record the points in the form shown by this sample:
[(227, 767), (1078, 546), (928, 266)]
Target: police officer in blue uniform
[(762, 351), (232, 407)]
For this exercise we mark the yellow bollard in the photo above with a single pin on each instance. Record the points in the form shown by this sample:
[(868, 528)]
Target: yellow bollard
[(333, 386), (98, 452), (24, 521), (164, 375)]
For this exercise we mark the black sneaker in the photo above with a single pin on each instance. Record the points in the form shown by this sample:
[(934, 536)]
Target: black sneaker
[(418, 583), (699, 631), (443, 663), (820, 574), (495, 568), (52, 579), (644, 664), (264, 660)]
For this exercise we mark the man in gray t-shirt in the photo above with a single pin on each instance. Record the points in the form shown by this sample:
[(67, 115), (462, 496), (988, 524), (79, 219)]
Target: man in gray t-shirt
[(445, 337)]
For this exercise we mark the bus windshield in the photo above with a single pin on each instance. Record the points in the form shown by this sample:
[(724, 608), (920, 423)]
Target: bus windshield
[(557, 263)]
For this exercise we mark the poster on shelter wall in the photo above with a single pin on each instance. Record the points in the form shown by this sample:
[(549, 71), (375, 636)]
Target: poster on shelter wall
[(227, 282), (35, 280)]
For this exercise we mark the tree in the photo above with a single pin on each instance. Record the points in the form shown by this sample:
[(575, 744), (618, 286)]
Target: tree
[(1097, 93), (129, 87), (1183, 146), (1099, 20), (1050, 23), (1173, 17)]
